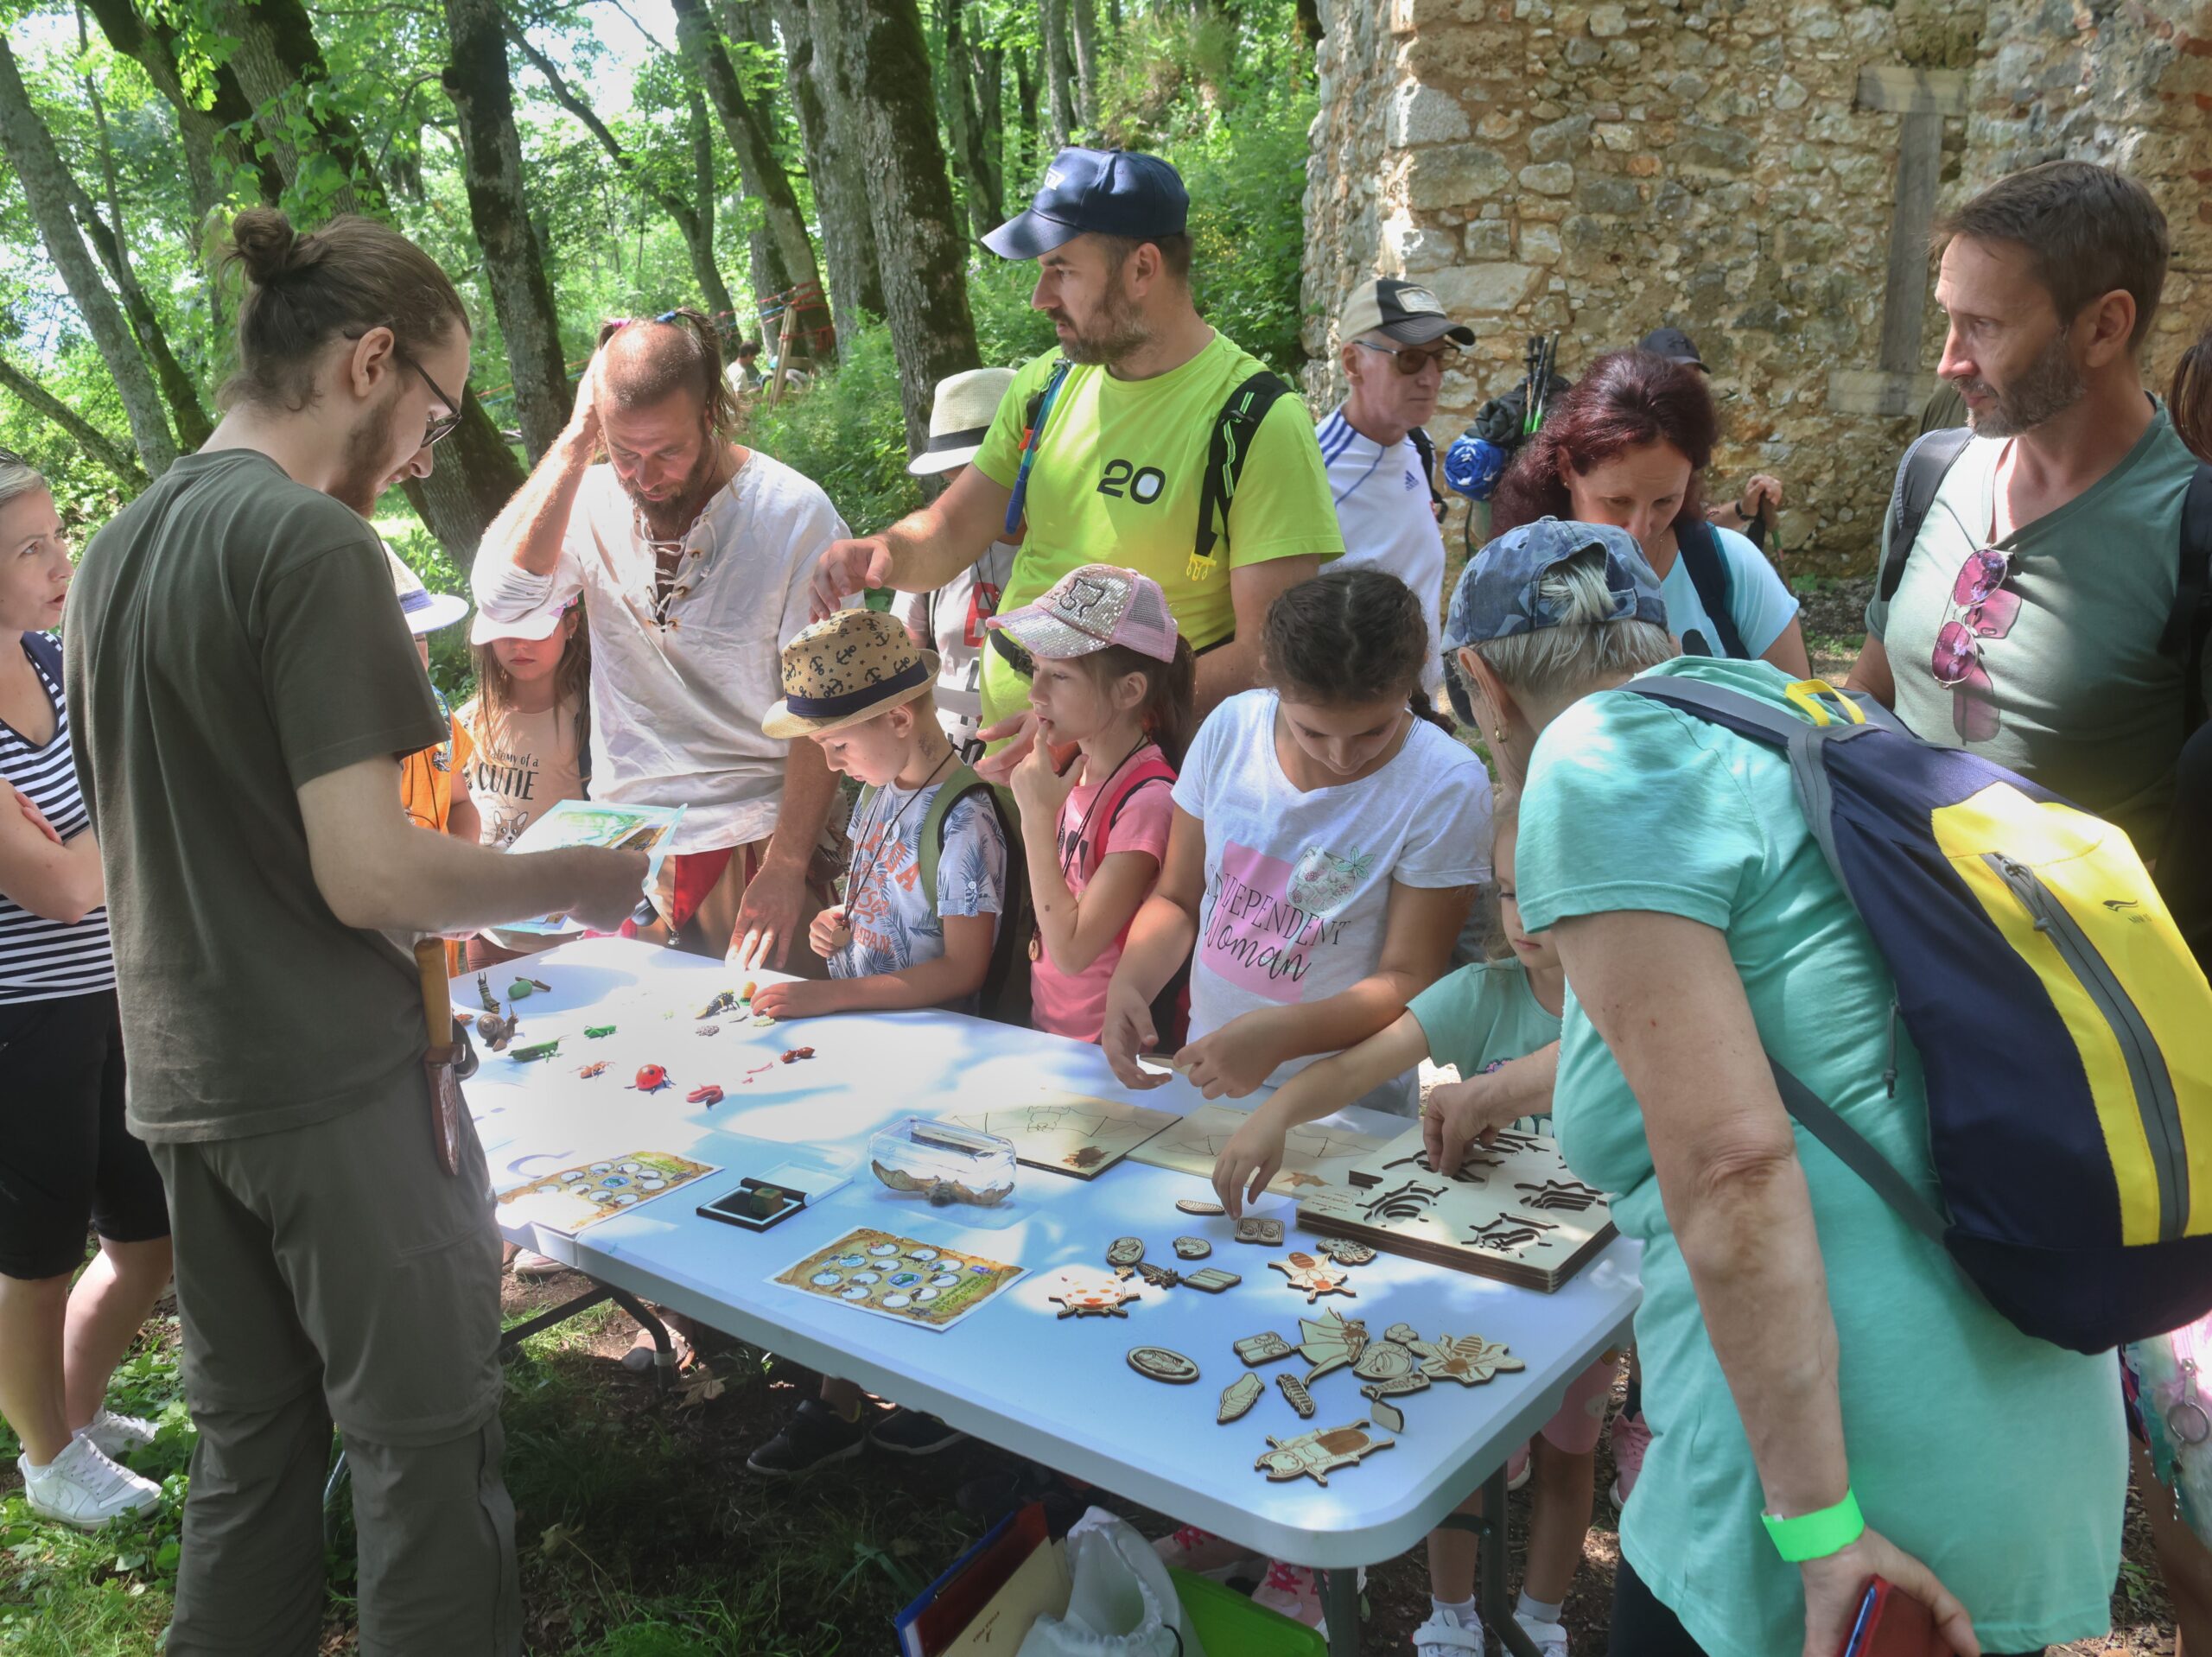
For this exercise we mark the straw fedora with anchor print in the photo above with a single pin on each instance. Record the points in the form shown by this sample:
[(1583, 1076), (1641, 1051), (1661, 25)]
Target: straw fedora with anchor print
[(850, 667)]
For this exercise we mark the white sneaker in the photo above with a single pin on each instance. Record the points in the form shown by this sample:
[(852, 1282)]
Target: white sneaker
[(1445, 1636), (117, 1436), (1550, 1637), (82, 1487), (531, 1263)]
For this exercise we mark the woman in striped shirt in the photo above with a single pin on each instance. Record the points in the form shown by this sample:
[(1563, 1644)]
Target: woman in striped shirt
[(65, 1159)]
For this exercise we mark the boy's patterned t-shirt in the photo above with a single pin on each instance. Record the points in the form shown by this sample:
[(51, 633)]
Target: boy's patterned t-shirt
[(894, 922)]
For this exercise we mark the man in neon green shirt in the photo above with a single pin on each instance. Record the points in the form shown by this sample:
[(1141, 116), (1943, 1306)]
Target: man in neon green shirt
[(1115, 473)]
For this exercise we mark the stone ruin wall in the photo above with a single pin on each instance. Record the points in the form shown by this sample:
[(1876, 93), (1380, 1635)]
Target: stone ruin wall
[(1758, 173)]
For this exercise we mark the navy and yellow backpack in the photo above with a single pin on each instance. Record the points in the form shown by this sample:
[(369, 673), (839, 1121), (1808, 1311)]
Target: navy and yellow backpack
[(2063, 1026)]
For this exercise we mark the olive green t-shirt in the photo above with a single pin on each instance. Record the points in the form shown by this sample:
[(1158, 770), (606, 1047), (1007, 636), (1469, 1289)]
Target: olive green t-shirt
[(232, 635), (2068, 686), (1117, 478)]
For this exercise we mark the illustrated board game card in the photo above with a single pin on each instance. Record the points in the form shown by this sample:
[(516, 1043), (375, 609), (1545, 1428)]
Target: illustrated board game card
[(573, 1199), (1069, 1133), (898, 1278)]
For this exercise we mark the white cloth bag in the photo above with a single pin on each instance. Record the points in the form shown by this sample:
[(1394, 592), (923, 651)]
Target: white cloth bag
[(1124, 1604)]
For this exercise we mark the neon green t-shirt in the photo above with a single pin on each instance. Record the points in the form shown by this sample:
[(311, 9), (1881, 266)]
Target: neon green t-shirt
[(1117, 481)]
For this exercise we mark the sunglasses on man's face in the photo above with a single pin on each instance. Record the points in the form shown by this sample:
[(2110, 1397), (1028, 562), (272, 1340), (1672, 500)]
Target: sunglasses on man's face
[(1412, 359)]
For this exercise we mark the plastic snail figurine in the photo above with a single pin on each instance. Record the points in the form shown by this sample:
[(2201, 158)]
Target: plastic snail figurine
[(651, 1078), (709, 1095), (943, 1191)]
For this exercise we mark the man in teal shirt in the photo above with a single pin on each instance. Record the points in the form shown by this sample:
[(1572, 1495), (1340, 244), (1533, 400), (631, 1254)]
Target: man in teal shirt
[(2027, 621)]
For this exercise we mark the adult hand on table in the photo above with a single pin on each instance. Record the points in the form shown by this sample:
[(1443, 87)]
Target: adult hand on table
[(1251, 1159), (1127, 1031), (846, 568), (1236, 1058), (1834, 1586), (767, 916)]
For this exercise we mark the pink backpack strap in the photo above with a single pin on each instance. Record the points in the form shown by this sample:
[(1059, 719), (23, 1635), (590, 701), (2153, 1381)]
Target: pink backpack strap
[(1108, 808)]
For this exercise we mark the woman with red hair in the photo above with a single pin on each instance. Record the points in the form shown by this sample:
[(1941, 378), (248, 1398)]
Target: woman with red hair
[(1628, 445)]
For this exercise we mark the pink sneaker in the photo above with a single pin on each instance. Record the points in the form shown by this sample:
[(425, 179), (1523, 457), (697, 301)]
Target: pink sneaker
[(1204, 1554), (1516, 1469), (1294, 1590), (1631, 1437)]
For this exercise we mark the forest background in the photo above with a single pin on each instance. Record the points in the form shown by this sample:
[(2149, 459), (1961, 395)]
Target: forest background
[(570, 162)]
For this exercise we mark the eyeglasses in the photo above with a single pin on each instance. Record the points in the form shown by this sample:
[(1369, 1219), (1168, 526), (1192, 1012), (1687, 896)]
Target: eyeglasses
[(1411, 361), (438, 427), (1986, 611)]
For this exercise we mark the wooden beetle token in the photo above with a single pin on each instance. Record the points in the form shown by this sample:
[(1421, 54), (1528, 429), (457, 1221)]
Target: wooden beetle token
[(1198, 1206), (1193, 1247), (1257, 1349), (1253, 1230), (1239, 1397), (1158, 1363), (1345, 1251), (1294, 1393), (1318, 1454), (1212, 1280), (1125, 1251), (1313, 1278)]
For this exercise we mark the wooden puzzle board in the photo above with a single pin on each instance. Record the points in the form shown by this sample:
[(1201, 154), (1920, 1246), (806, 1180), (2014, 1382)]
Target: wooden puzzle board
[(1070, 1133), (1312, 1157), (573, 1199), (898, 1278), (1513, 1211)]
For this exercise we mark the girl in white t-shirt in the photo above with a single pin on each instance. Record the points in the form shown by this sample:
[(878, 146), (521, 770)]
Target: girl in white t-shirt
[(1326, 843), (524, 741)]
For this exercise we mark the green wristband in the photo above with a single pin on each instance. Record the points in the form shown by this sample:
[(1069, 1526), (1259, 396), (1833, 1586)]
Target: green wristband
[(1816, 1535)]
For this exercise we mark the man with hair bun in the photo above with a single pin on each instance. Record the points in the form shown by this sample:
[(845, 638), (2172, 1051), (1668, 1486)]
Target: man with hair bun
[(691, 554), (241, 685)]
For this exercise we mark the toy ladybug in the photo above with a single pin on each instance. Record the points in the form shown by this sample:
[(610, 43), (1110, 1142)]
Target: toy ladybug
[(651, 1078), (709, 1095)]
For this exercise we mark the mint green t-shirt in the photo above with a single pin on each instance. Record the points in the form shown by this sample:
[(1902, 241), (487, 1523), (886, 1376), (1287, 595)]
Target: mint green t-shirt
[(2068, 688), (1998, 1459), (1482, 1015)]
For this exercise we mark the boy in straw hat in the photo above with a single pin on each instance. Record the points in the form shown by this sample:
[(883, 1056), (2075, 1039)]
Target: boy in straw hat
[(858, 687), (953, 618)]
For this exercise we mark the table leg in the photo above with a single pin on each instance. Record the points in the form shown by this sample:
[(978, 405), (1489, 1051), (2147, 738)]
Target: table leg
[(1340, 1603), (1491, 1600)]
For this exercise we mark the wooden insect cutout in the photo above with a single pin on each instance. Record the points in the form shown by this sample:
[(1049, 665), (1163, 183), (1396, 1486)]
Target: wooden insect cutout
[(1257, 1349), (1571, 1195), (1467, 1359), (1313, 1278), (1317, 1455), (1239, 1397), (1251, 1229), (1094, 1297), (1158, 1363), (1330, 1342), (1345, 1251), (1295, 1393), (1509, 1231)]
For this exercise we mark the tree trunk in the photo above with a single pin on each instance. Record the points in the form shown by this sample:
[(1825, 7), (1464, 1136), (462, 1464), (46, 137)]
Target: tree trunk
[(700, 236), (824, 107), (278, 59), (48, 188), (988, 67), (1026, 100), (1309, 24), (1082, 39), (880, 51), (178, 389), (213, 136), (971, 135), (522, 295), (87, 436), (762, 172), (1052, 17)]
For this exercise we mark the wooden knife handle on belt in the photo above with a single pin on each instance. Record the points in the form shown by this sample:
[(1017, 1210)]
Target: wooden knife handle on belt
[(446, 1106)]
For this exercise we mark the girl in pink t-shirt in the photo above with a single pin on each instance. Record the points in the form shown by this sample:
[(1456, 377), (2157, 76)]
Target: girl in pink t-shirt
[(1113, 679)]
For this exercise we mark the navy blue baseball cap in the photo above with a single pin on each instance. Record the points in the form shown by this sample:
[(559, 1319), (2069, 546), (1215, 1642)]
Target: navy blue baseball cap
[(1107, 192), (1500, 593)]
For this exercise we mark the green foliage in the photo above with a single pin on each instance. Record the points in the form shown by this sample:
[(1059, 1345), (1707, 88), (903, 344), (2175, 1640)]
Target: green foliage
[(845, 432)]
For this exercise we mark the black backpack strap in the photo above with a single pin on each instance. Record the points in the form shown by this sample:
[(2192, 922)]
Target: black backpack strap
[(1849, 1146), (1919, 476), (1700, 547), (1234, 429), (2191, 617), (1425, 446)]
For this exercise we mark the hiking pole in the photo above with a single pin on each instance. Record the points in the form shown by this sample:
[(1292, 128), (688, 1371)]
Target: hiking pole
[(1549, 357), (1531, 353)]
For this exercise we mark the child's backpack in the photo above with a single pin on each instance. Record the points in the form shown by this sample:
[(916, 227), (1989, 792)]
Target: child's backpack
[(2065, 1028), (1005, 994), (1171, 1008)]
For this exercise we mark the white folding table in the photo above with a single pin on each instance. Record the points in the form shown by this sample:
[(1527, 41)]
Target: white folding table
[(1014, 1372)]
